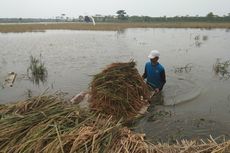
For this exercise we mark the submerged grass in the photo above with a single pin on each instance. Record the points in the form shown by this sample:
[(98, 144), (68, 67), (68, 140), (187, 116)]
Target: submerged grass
[(37, 71), (33, 27), (187, 68), (221, 69)]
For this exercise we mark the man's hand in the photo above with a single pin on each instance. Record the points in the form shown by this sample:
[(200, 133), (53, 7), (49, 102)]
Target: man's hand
[(157, 90)]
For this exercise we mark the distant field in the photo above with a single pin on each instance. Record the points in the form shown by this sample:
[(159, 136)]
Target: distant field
[(29, 27)]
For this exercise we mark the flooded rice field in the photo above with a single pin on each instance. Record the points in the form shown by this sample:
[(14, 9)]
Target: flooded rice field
[(195, 101)]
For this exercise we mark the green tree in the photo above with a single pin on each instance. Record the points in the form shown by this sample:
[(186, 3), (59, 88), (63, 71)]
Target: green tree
[(121, 14), (147, 18), (210, 15)]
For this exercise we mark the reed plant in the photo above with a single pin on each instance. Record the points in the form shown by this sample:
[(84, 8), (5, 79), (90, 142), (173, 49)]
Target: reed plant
[(221, 68), (37, 71), (187, 68)]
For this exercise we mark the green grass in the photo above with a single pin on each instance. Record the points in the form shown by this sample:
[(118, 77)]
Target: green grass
[(37, 71)]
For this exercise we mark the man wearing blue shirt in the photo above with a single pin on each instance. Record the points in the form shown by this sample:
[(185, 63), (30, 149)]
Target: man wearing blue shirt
[(154, 72)]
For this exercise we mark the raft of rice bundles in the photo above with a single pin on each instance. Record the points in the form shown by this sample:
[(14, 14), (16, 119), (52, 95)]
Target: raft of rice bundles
[(119, 90)]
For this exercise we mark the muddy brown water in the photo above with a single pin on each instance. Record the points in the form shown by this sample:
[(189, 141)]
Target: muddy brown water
[(194, 103)]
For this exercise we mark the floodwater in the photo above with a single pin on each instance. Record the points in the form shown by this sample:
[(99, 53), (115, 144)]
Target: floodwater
[(195, 101)]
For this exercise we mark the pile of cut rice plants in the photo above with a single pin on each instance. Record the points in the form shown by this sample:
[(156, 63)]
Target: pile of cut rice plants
[(119, 90), (55, 126)]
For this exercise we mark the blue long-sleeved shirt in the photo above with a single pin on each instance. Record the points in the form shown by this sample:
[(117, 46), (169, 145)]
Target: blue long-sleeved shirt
[(155, 75)]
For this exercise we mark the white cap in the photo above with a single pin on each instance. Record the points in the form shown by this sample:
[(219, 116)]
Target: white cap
[(153, 54)]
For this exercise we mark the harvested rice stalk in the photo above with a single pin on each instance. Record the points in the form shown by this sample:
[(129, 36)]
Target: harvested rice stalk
[(127, 141), (33, 131), (33, 104), (67, 128), (119, 90), (2, 110), (94, 137), (185, 146)]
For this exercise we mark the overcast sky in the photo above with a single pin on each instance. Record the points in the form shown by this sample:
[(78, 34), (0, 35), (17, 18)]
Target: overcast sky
[(74, 8)]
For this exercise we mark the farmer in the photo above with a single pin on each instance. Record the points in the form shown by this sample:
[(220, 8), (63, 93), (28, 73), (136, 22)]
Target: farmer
[(154, 72)]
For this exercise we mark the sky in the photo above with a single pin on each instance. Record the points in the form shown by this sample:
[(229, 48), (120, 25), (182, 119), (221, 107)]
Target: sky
[(74, 8)]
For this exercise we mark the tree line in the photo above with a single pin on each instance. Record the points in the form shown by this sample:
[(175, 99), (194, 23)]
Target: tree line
[(122, 16)]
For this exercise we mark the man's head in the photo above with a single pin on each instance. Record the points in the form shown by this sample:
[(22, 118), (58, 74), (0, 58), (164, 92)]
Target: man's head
[(154, 56)]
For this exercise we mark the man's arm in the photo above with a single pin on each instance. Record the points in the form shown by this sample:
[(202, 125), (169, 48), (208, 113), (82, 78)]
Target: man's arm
[(163, 77), (144, 76)]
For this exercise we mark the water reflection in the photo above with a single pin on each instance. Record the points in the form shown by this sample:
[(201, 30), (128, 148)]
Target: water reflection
[(28, 93), (205, 38), (221, 69), (158, 99), (197, 41), (4, 62), (37, 71), (159, 115), (121, 32)]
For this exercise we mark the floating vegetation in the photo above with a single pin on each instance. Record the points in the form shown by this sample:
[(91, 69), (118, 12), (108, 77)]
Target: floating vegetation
[(197, 37), (221, 69), (198, 40), (159, 115), (37, 71), (198, 43), (187, 68), (119, 90)]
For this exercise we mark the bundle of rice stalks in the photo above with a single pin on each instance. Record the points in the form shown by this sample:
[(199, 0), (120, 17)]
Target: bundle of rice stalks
[(33, 104), (127, 141), (119, 90), (2, 110), (94, 137), (185, 146), (47, 124), (31, 132), (67, 128)]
